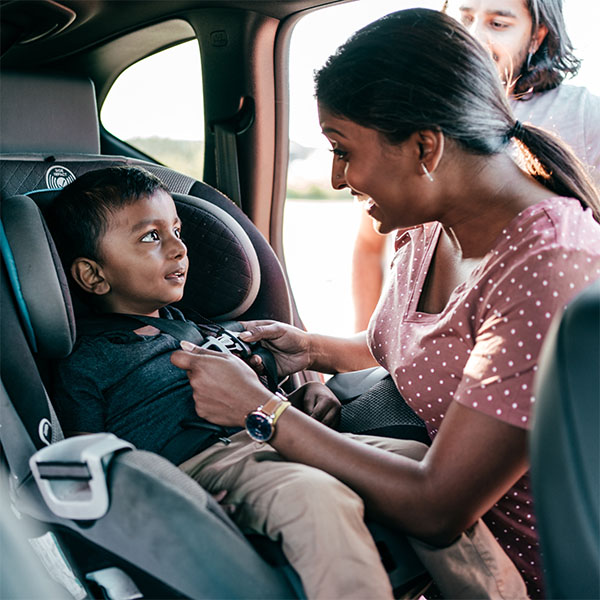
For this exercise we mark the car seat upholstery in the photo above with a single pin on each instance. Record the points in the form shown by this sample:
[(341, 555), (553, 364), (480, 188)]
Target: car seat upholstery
[(565, 450), (29, 125), (200, 549)]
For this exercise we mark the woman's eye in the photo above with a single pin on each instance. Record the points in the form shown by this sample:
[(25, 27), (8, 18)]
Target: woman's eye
[(151, 236), (499, 25), (339, 153)]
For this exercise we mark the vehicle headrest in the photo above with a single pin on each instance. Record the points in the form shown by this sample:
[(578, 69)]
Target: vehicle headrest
[(65, 121), (38, 280)]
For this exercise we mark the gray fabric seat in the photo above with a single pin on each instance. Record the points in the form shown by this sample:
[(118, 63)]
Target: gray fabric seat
[(565, 450)]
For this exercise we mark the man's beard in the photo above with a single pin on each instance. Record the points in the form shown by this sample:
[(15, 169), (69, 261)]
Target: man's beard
[(516, 70)]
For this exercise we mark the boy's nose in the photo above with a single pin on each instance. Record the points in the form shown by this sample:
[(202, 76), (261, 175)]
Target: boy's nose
[(178, 248)]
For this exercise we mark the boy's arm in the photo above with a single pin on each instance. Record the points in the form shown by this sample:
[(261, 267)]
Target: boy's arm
[(76, 397)]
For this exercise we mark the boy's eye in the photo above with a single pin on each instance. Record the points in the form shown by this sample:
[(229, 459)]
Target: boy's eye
[(177, 231), (151, 236)]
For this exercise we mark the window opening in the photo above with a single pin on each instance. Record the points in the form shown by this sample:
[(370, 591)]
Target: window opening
[(157, 106)]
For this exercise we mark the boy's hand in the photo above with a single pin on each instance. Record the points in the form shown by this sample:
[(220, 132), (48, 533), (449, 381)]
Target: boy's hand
[(318, 401)]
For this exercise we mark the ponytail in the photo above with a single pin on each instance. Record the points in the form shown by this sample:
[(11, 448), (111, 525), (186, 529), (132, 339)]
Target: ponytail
[(551, 162)]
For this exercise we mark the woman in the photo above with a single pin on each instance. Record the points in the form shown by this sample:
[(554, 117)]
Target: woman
[(487, 252)]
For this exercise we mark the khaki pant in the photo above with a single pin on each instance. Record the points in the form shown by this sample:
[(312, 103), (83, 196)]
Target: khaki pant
[(320, 522)]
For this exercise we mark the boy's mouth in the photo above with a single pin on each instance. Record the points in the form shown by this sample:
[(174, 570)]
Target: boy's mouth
[(177, 275)]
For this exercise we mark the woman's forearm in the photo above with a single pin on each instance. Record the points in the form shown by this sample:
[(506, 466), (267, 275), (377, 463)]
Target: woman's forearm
[(330, 354), (433, 499), (392, 486)]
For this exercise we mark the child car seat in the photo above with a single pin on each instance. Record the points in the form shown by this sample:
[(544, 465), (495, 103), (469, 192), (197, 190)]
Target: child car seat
[(99, 492), (46, 144)]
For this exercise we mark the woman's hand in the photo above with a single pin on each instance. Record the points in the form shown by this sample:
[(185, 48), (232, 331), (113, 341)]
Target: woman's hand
[(225, 388), (318, 401), (289, 345)]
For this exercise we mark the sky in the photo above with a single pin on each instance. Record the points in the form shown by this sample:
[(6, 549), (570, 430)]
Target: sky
[(315, 37)]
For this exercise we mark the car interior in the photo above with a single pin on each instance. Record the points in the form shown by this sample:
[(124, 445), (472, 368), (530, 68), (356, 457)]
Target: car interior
[(102, 518)]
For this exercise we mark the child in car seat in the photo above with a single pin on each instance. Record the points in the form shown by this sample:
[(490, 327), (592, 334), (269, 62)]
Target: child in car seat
[(119, 237)]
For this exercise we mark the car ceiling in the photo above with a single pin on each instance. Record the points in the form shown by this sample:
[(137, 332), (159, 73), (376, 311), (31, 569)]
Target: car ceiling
[(41, 32), (100, 38)]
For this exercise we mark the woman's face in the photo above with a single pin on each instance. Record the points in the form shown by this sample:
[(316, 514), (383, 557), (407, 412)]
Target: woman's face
[(382, 174)]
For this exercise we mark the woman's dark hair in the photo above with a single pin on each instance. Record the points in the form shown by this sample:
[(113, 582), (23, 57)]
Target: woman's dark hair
[(554, 59), (419, 69), (78, 216)]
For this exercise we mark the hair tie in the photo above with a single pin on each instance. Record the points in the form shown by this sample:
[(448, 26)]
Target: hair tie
[(516, 131)]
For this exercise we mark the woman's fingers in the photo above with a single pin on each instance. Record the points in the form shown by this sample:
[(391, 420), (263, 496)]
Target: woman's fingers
[(260, 330)]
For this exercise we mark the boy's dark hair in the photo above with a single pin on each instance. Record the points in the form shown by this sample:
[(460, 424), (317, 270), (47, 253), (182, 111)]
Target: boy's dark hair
[(554, 59), (78, 216)]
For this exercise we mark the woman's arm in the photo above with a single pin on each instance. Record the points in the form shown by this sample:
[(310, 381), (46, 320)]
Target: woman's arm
[(295, 350), (472, 462)]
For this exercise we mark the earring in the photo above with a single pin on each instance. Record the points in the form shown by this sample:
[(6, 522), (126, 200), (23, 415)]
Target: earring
[(426, 172)]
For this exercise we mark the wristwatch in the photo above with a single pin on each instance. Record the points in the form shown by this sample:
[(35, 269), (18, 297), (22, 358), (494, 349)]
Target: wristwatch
[(260, 423)]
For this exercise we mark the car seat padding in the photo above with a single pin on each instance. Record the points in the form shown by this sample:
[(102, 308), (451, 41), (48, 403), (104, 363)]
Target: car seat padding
[(42, 279)]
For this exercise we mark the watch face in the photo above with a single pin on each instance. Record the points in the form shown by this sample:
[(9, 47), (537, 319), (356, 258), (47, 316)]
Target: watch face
[(259, 427)]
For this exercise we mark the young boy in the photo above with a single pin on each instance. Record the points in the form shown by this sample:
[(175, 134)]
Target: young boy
[(119, 236)]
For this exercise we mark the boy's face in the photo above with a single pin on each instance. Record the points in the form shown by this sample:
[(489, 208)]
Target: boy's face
[(142, 257)]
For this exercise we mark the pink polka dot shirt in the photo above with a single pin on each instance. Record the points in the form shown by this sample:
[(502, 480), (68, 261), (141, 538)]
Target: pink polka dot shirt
[(482, 349)]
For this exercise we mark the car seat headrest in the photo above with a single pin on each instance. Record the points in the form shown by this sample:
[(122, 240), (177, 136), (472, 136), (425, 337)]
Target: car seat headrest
[(65, 122), (38, 280), (224, 273)]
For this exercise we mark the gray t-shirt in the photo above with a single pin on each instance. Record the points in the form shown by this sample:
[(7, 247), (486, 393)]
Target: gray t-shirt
[(572, 113), (125, 383)]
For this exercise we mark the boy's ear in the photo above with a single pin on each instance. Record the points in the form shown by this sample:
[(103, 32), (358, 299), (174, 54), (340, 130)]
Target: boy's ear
[(88, 275)]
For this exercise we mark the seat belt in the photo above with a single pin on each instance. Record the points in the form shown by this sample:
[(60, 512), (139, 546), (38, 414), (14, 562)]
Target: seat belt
[(226, 151), (226, 162)]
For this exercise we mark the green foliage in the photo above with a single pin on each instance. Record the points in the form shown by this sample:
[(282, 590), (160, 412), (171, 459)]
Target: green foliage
[(182, 155), (316, 192)]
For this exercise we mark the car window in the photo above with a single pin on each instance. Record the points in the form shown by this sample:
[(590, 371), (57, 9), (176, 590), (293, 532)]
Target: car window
[(157, 106), (320, 272)]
